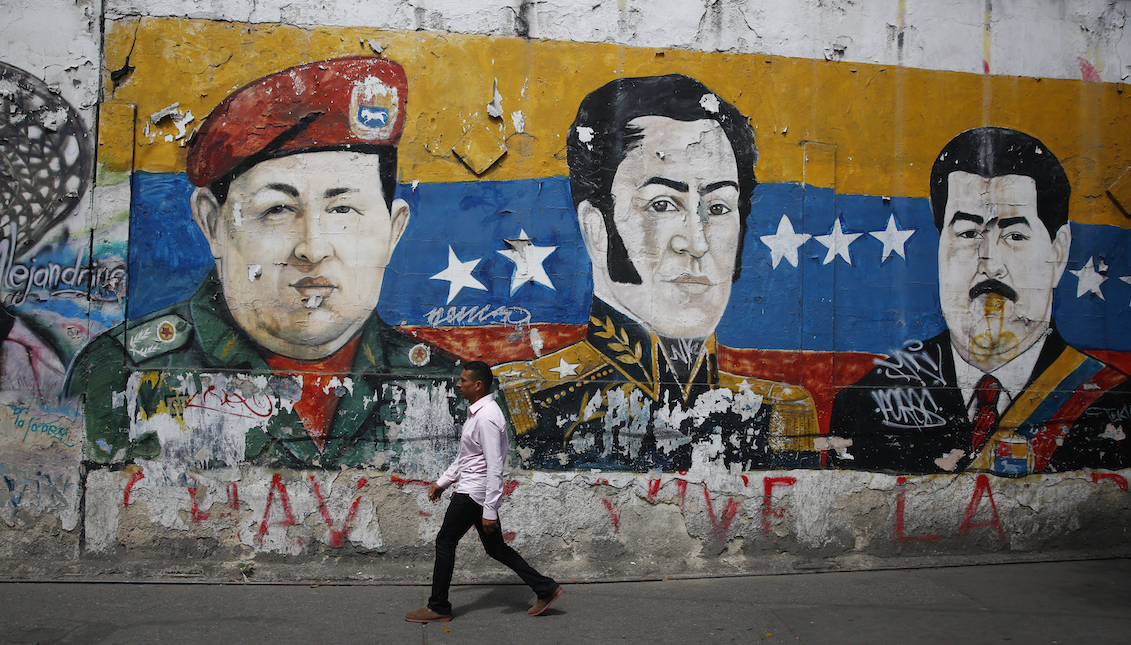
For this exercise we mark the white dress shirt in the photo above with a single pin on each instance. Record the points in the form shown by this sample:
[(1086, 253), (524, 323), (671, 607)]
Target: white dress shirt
[(1013, 376), (478, 467)]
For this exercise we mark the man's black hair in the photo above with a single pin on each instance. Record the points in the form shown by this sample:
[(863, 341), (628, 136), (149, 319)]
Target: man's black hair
[(602, 136), (480, 371), (993, 152), (386, 169)]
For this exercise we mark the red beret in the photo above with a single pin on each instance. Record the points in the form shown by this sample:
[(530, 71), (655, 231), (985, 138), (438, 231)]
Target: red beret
[(327, 104)]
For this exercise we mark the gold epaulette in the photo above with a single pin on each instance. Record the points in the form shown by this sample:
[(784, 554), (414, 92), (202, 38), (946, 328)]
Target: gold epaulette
[(793, 421), (519, 381)]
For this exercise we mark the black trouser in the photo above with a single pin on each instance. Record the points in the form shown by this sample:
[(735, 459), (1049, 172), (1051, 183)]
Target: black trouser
[(463, 513)]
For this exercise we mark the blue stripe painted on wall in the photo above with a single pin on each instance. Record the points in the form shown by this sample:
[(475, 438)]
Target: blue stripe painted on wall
[(168, 254), (477, 217), (1089, 321), (872, 305)]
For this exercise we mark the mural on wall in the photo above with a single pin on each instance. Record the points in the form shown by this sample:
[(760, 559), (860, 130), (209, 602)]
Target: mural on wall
[(62, 279), (233, 323), (303, 284), (279, 357), (1000, 389), (662, 174), (45, 168)]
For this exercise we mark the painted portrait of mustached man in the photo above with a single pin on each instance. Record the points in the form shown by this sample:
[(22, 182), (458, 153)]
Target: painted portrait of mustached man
[(1000, 390)]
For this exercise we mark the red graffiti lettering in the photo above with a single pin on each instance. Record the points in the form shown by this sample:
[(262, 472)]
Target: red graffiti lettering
[(981, 487), (337, 537), (194, 512), (720, 525), (134, 478), (897, 533), (509, 486), (681, 488), (288, 516), (1119, 480), (234, 496), (401, 482), (653, 489), (768, 508), (215, 399), (745, 480), (612, 511)]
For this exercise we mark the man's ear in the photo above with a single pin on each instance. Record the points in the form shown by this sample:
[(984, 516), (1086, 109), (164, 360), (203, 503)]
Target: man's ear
[(206, 213), (399, 216), (594, 234), (1061, 245)]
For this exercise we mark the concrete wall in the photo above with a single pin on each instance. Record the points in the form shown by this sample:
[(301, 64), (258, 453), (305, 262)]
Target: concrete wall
[(774, 390)]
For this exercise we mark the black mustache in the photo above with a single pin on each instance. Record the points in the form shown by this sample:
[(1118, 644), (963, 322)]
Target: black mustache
[(993, 286)]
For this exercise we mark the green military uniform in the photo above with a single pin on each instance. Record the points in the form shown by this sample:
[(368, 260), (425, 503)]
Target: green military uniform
[(198, 337), (614, 401)]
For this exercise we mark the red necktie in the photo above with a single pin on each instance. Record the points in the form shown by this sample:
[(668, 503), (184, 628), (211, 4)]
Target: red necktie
[(985, 414)]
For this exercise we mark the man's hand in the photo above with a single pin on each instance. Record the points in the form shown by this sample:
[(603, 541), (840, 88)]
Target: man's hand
[(490, 526), (435, 492)]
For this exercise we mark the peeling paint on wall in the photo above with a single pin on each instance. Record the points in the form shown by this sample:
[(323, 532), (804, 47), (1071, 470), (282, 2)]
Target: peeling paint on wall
[(884, 349)]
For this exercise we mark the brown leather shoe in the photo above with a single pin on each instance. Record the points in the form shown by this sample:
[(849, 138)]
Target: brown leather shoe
[(544, 603), (426, 615)]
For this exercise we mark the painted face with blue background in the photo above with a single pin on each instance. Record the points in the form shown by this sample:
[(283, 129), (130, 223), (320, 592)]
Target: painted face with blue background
[(675, 199)]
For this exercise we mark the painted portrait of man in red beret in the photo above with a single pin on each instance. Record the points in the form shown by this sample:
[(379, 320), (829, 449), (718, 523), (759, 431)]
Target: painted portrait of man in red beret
[(287, 359)]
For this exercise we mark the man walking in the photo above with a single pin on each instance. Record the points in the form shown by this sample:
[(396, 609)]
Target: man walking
[(478, 474)]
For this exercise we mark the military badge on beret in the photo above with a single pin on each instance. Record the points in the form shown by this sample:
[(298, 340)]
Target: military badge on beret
[(373, 109), (340, 104)]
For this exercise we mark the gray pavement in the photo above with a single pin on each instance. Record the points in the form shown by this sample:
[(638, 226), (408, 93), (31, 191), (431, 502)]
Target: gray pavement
[(1059, 602)]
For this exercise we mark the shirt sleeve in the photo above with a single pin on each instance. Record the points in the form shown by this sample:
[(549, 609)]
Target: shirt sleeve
[(451, 475), (494, 441)]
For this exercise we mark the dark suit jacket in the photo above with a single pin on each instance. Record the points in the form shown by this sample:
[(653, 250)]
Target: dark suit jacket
[(908, 416)]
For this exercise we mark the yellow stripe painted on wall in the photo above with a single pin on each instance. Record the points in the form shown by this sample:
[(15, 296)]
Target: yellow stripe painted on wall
[(887, 123)]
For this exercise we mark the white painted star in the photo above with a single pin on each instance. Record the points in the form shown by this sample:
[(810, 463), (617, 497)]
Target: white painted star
[(1088, 279), (744, 387), (893, 238), (528, 261), (566, 368), (784, 243), (838, 242), (458, 275), (1127, 279)]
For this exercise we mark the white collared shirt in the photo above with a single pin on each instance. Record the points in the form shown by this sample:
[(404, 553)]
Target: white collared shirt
[(1013, 376), (482, 450)]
